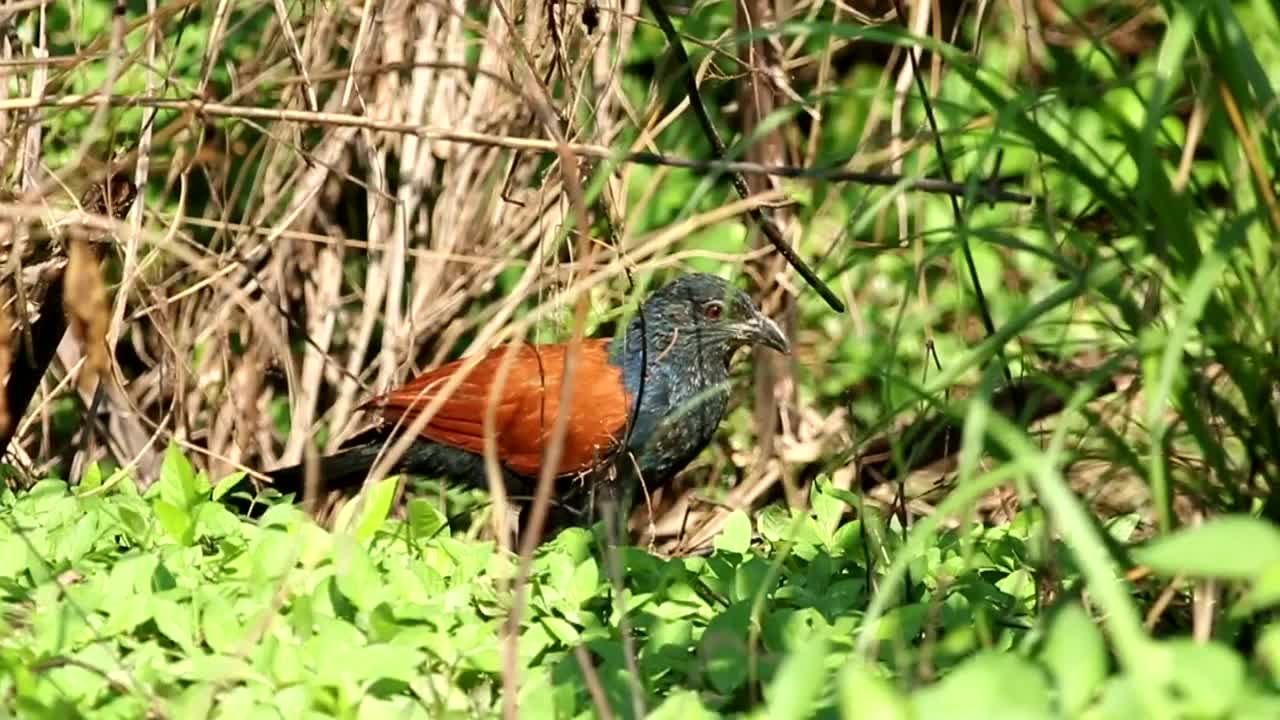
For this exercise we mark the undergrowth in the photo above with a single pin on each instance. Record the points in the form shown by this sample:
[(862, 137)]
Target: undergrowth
[(123, 604)]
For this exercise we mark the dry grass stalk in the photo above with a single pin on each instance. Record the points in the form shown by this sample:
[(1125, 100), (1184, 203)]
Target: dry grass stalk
[(88, 308)]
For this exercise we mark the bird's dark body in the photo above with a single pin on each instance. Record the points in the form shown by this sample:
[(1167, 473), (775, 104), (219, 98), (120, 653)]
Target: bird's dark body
[(681, 407), (671, 370)]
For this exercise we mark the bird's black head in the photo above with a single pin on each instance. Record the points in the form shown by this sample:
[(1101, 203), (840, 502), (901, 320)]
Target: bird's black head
[(703, 315)]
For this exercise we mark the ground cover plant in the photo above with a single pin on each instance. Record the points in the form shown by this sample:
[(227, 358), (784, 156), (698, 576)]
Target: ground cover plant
[(1020, 462)]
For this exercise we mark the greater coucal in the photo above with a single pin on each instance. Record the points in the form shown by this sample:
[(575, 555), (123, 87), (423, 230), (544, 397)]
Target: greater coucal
[(648, 401)]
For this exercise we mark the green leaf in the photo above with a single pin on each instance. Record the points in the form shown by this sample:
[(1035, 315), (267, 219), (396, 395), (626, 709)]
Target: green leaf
[(355, 574), (827, 508), (82, 537), (1268, 650), (373, 506), (383, 661), (221, 629), (227, 484), (989, 685), (1076, 657), (866, 696), (377, 508), (92, 477), (559, 629), (799, 681), (1209, 676), (736, 536), (424, 519), (175, 521), (749, 579), (724, 647), (177, 485), (214, 519), (585, 582), (223, 669), (270, 556), (116, 478), (774, 522), (1237, 547), (682, 705), (175, 622), (1264, 594)]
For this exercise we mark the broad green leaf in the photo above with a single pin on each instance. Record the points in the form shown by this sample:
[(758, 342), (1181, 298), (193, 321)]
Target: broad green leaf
[(13, 555), (223, 669), (383, 661), (775, 524), (985, 686), (787, 628), (400, 707), (798, 683), (195, 701), (1210, 677), (480, 646), (424, 519), (175, 521), (1236, 547), (682, 705), (216, 519), (376, 508), (124, 478), (586, 581), (827, 508), (749, 579), (92, 477), (219, 625), (736, 536), (271, 555), (1264, 594), (562, 631), (1121, 528), (541, 697), (866, 696), (202, 485), (724, 648), (226, 484), (175, 621), (1268, 650), (1120, 700), (372, 506), (81, 537), (1076, 656), (355, 573), (177, 484)]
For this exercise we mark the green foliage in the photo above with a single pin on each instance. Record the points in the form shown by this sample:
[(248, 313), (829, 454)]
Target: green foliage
[(116, 603)]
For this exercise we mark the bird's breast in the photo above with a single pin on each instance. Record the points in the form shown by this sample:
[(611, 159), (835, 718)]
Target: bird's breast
[(670, 434)]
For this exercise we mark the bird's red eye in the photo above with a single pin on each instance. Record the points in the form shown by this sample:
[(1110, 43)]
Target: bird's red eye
[(713, 310)]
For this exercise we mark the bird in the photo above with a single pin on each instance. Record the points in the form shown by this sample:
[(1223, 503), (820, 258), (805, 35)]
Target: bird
[(645, 403)]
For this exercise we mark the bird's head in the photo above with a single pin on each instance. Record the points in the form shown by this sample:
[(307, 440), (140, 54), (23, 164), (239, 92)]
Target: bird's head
[(703, 315)]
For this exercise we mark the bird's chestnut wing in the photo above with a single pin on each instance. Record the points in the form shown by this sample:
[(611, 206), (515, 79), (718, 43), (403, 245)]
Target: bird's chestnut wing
[(527, 405)]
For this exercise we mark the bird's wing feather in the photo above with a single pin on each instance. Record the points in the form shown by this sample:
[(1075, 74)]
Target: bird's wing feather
[(527, 406)]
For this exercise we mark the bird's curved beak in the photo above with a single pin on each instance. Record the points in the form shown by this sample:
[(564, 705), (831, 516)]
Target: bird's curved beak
[(769, 334)]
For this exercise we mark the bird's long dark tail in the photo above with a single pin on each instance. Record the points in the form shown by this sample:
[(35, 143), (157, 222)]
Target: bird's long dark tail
[(345, 469)]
